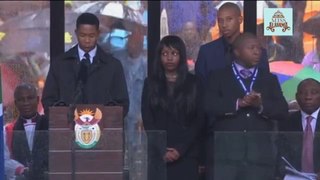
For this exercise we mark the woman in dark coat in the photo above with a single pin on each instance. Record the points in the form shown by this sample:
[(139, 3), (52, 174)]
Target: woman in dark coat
[(172, 102)]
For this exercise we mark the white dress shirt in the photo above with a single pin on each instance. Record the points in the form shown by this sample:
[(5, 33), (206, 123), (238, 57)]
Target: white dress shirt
[(29, 128), (239, 68), (313, 122), (92, 53)]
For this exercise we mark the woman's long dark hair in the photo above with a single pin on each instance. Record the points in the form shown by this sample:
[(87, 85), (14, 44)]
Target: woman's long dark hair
[(158, 82)]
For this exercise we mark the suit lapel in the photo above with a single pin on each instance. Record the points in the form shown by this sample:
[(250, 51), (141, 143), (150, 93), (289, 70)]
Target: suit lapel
[(316, 146), (317, 129), (20, 141), (237, 85), (95, 65), (297, 124), (259, 85), (222, 50), (36, 134), (73, 61), (297, 137)]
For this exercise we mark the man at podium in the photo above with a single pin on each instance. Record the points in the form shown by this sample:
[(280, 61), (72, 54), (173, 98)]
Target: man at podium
[(85, 74)]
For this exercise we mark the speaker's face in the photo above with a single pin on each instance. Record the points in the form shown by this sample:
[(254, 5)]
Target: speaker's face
[(87, 36)]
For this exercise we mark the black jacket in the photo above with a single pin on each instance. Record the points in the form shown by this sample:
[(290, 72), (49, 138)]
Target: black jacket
[(37, 159), (182, 129), (105, 83), (243, 135)]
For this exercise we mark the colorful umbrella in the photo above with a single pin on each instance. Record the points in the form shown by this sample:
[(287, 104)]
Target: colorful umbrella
[(290, 74)]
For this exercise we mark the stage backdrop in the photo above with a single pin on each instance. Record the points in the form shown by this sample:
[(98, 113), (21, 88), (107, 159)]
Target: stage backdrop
[(24, 47), (196, 24), (293, 58)]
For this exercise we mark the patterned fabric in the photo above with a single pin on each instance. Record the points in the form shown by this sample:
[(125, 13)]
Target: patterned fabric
[(245, 73), (307, 151), (86, 61)]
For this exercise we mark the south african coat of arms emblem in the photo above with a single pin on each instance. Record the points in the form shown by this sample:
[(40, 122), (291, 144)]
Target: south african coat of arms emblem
[(87, 130)]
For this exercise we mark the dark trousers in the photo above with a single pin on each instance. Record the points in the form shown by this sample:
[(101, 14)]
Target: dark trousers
[(185, 169), (242, 171)]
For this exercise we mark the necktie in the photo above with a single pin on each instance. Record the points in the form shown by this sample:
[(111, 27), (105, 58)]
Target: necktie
[(245, 73), (86, 60), (228, 54), (307, 151), (85, 63)]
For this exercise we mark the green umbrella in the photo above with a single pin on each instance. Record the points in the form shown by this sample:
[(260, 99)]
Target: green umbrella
[(289, 87)]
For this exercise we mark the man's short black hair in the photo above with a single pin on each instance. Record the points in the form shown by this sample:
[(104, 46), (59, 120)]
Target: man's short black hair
[(307, 80), (88, 18), (238, 42), (27, 86)]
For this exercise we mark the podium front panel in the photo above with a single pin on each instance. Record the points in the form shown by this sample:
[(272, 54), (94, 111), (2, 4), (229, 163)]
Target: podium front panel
[(102, 161)]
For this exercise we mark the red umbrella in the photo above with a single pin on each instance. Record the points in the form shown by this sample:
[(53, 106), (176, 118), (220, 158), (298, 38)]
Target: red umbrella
[(290, 74), (9, 80)]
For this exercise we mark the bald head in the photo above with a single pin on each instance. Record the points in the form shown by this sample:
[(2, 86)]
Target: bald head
[(232, 7), (229, 21)]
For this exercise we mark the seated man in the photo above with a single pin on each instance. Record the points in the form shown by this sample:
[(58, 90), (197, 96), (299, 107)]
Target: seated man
[(302, 148), (26, 137), (244, 99)]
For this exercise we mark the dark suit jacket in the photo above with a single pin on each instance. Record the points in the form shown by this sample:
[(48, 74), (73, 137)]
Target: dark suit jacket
[(105, 82), (291, 138), (38, 157), (249, 137), (212, 57)]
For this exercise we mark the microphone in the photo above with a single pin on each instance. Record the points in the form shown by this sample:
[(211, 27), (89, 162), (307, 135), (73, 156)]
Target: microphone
[(83, 72), (81, 81), (78, 96), (60, 103)]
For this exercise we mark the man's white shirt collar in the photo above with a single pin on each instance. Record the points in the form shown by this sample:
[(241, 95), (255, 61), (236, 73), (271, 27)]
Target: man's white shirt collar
[(92, 53), (239, 67), (313, 122)]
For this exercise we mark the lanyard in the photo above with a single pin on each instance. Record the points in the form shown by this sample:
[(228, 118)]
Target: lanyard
[(237, 74)]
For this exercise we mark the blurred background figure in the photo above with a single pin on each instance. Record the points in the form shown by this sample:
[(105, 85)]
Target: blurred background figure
[(203, 15), (191, 37), (312, 27), (311, 59), (193, 28), (24, 47), (134, 61)]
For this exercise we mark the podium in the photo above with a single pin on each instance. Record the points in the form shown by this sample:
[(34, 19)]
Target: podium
[(69, 161)]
